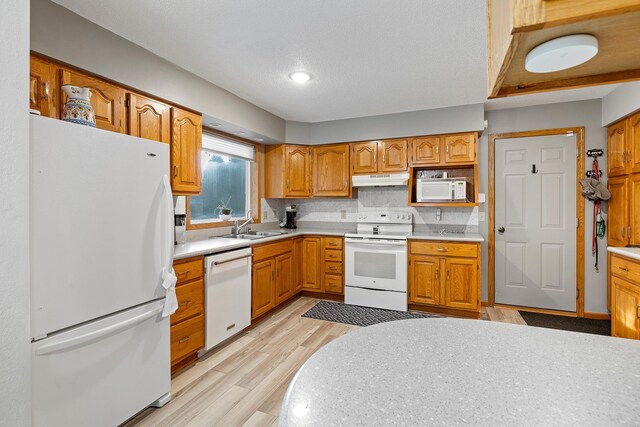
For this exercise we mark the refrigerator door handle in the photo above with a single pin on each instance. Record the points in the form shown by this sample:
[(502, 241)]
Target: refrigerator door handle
[(169, 278), (94, 335)]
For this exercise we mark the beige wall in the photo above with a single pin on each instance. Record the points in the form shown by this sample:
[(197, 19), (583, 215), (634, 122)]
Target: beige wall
[(15, 354), (61, 34)]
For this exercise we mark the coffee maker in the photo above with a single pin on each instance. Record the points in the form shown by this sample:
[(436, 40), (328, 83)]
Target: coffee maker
[(290, 218)]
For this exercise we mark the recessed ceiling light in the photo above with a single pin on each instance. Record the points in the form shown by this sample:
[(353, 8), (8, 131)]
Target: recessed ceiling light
[(300, 77), (561, 53), (259, 139), (215, 125)]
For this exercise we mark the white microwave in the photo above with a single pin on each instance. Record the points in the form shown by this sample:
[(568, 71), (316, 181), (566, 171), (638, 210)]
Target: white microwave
[(441, 189)]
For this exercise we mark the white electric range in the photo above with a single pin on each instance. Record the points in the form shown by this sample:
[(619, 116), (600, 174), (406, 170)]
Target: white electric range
[(376, 260)]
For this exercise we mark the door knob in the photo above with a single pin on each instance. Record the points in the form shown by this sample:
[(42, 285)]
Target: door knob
[(501, 230)]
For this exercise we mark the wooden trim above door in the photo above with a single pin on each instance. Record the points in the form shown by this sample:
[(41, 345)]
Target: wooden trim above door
[(579, 131)]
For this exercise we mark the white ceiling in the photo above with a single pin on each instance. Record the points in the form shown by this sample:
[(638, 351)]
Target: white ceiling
[(367, 57)]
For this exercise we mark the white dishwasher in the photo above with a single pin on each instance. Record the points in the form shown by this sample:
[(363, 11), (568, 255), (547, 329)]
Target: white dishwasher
[(227, 291)]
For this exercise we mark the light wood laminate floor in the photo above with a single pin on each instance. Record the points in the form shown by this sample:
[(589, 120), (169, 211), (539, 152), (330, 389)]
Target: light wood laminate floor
[(243, 381)]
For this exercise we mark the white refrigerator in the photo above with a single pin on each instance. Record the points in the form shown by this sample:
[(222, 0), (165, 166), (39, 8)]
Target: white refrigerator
[(102, 283)]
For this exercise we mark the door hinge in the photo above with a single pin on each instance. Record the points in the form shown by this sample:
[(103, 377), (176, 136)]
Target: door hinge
[(577, 293), (577, 152), (127, 103), (577, 222)]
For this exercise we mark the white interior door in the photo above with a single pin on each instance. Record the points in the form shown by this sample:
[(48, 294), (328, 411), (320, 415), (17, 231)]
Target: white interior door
[(535, 220)]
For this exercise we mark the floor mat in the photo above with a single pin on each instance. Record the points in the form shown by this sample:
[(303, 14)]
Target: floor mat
[(357, 315), (575, 324)]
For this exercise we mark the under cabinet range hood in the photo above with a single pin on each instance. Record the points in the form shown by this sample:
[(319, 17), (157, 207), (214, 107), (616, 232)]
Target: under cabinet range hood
[(381, 180)]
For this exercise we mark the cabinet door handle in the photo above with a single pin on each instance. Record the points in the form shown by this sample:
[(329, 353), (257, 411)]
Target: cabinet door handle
[(623, 231), (437, 273), (624, 269), (46, 90), (447, 149), (184, 340), (175, 171), (185, 303), (182, 273), (442, 249), (638, 311), (437, 149), (448, 275)]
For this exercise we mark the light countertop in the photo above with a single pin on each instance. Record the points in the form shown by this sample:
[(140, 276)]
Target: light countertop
[(220, 244), (446, 371), (633, 253), (451, 237)]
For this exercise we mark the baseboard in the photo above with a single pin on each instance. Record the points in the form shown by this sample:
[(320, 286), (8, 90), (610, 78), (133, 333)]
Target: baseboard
[(445, 311), (323, 295), (597, 316), (485, 304)]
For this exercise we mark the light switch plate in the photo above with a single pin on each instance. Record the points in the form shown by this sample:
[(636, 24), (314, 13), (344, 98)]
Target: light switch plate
[(481, 198)]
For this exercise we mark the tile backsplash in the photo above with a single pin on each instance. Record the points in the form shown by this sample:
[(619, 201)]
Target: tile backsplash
[(372, 199)]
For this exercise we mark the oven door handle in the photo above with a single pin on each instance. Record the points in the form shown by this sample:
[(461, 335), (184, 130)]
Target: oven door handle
[(375, 243)]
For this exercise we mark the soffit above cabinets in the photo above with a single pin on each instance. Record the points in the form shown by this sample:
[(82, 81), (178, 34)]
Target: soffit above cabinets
[(515, 27)]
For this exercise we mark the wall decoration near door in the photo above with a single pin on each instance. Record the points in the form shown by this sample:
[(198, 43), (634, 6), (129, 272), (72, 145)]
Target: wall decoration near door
[(536, 254)]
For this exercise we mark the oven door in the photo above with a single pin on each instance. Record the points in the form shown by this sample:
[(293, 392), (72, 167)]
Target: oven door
[(376, 264)]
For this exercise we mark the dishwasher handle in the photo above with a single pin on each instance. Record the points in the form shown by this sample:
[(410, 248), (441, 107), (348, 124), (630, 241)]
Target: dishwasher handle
[(216, 263)]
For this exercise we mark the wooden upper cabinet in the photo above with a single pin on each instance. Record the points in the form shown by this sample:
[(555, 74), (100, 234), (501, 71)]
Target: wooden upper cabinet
[(186, 144), (425, 150), (460, 148), (107, 99), (43, 87), (393, 155), (364, 157), (148, 118), (618, 212), (331, 171), (461, 283), (633, 150), (424, 280), (297, 170), (617, 148)]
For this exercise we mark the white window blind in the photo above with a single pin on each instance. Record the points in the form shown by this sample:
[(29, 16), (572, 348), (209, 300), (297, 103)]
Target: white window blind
[(226, 146)]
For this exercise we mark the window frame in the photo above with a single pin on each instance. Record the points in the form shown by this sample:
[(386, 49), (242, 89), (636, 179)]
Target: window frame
[(255, 186)]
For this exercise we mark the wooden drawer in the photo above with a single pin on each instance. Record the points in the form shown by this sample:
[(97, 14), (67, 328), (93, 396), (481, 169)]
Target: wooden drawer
[(272, 249), (333, 267), (187, 337), (189, 269), (465, 250), (333, 283), (625, 268), (190, 301), (333, 255), (332, 242)]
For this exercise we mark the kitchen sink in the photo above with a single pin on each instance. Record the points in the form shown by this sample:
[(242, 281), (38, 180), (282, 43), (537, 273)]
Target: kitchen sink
[(253, 235)]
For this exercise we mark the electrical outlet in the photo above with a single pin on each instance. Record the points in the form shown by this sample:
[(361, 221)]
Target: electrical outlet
[(343, 214)]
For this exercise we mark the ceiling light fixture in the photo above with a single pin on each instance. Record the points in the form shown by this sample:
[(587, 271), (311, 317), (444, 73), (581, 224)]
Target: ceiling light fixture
[(259, 139), (300, 77), (215, 125), (561, 53)]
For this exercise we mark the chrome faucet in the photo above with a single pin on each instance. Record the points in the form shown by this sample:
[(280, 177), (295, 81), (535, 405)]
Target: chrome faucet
[(238, 229)]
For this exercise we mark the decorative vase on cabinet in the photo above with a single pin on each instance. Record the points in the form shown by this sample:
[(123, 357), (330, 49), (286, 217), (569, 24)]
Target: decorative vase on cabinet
[(78, 108)]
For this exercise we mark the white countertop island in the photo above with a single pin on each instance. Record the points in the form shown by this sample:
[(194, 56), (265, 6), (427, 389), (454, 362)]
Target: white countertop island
[(445, 371)]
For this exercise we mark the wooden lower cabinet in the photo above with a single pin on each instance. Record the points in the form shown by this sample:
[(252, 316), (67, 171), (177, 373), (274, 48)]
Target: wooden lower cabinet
[(625, 297), (187, 323), (445, 276), (298, 259), (311, 264), (263, 279), (272, 281)]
